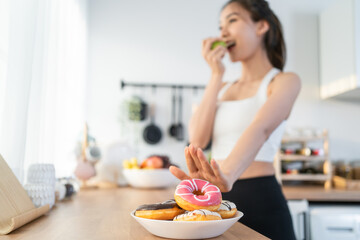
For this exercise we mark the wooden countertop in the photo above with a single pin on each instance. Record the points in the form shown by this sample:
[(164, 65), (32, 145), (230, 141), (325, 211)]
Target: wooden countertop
[(105, 214), (319, 194)]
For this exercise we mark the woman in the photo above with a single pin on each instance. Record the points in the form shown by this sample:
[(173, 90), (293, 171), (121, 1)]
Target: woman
[(245, 119)]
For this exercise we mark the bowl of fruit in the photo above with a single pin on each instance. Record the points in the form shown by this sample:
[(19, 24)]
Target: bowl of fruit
[(153, 172)]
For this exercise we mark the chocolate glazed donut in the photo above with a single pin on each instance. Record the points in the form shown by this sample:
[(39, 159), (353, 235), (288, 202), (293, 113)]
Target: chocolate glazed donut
[(156, 206), (161, 211)]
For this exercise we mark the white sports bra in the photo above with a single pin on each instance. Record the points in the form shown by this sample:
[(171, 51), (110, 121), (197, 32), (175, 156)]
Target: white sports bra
[(233, 117)]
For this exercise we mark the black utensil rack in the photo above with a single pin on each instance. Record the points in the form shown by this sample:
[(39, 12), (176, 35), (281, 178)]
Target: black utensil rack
[(124, 84), (154, 86)]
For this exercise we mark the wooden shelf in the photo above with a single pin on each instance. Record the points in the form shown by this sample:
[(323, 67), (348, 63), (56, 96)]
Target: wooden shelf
[(301, 139), (281, 157), (295, 157), (305, 177)]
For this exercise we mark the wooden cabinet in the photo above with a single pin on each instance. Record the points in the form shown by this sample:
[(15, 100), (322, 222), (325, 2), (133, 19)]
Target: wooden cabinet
[(339, 28)]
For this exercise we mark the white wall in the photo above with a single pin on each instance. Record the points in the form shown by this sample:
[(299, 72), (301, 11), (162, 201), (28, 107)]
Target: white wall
[(4, 44), (160, 41)]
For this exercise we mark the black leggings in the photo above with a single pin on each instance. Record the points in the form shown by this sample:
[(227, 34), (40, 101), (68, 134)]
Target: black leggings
[(264, 206)]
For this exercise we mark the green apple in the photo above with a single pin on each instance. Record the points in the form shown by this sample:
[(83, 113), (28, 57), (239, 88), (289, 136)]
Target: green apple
[(217, 43)]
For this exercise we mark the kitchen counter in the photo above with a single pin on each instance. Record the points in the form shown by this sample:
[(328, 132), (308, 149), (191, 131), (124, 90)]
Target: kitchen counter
[(320, 194), (105, 214)]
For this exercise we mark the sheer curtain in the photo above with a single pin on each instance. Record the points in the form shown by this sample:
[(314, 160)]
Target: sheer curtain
[(43, 87)]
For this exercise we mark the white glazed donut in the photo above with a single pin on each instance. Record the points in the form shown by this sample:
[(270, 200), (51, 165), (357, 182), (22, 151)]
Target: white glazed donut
[(198, 215), (227, 209)]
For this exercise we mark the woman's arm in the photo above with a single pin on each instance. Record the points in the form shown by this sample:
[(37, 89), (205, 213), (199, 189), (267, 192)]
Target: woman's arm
[(202, 121), (285, 89)]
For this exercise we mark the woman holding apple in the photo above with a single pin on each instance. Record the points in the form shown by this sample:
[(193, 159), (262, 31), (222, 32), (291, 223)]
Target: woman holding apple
[(245, 119)]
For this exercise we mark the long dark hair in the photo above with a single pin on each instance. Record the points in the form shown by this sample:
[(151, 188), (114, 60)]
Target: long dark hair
[(273, 39)]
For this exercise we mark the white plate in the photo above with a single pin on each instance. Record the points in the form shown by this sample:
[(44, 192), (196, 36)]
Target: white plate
[(149, 178), (187, 230)]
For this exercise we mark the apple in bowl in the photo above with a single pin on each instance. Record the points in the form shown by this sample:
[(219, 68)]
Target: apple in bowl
[(152, 162), (153, 172)]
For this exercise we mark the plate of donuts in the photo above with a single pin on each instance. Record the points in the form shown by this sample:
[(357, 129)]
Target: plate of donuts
[(187, 229), (196, 212)]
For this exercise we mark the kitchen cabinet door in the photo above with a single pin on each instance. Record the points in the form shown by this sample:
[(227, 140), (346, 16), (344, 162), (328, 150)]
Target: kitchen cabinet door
[(340, 50)]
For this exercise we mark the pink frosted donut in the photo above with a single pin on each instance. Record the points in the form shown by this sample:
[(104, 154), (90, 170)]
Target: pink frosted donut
[(197, 194)]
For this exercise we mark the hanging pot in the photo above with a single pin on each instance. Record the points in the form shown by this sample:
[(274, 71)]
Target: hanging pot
[(180, 128), (173, 126), (152, 133)]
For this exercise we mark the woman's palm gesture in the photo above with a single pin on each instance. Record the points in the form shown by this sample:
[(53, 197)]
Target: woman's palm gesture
[(200, 168)]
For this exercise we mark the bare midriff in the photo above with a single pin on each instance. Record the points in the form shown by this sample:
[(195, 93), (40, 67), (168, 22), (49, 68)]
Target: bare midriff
[(258, 169)]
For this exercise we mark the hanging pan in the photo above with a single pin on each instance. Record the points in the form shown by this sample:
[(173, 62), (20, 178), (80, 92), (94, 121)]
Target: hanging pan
[(152, 133), (180, 127), (172, 128)]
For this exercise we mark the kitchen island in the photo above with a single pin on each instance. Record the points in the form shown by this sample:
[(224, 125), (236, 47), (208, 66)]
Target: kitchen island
[(105, 214)]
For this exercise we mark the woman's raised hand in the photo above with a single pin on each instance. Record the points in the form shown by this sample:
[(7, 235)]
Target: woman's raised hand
[(200, 168), (214, 57)]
